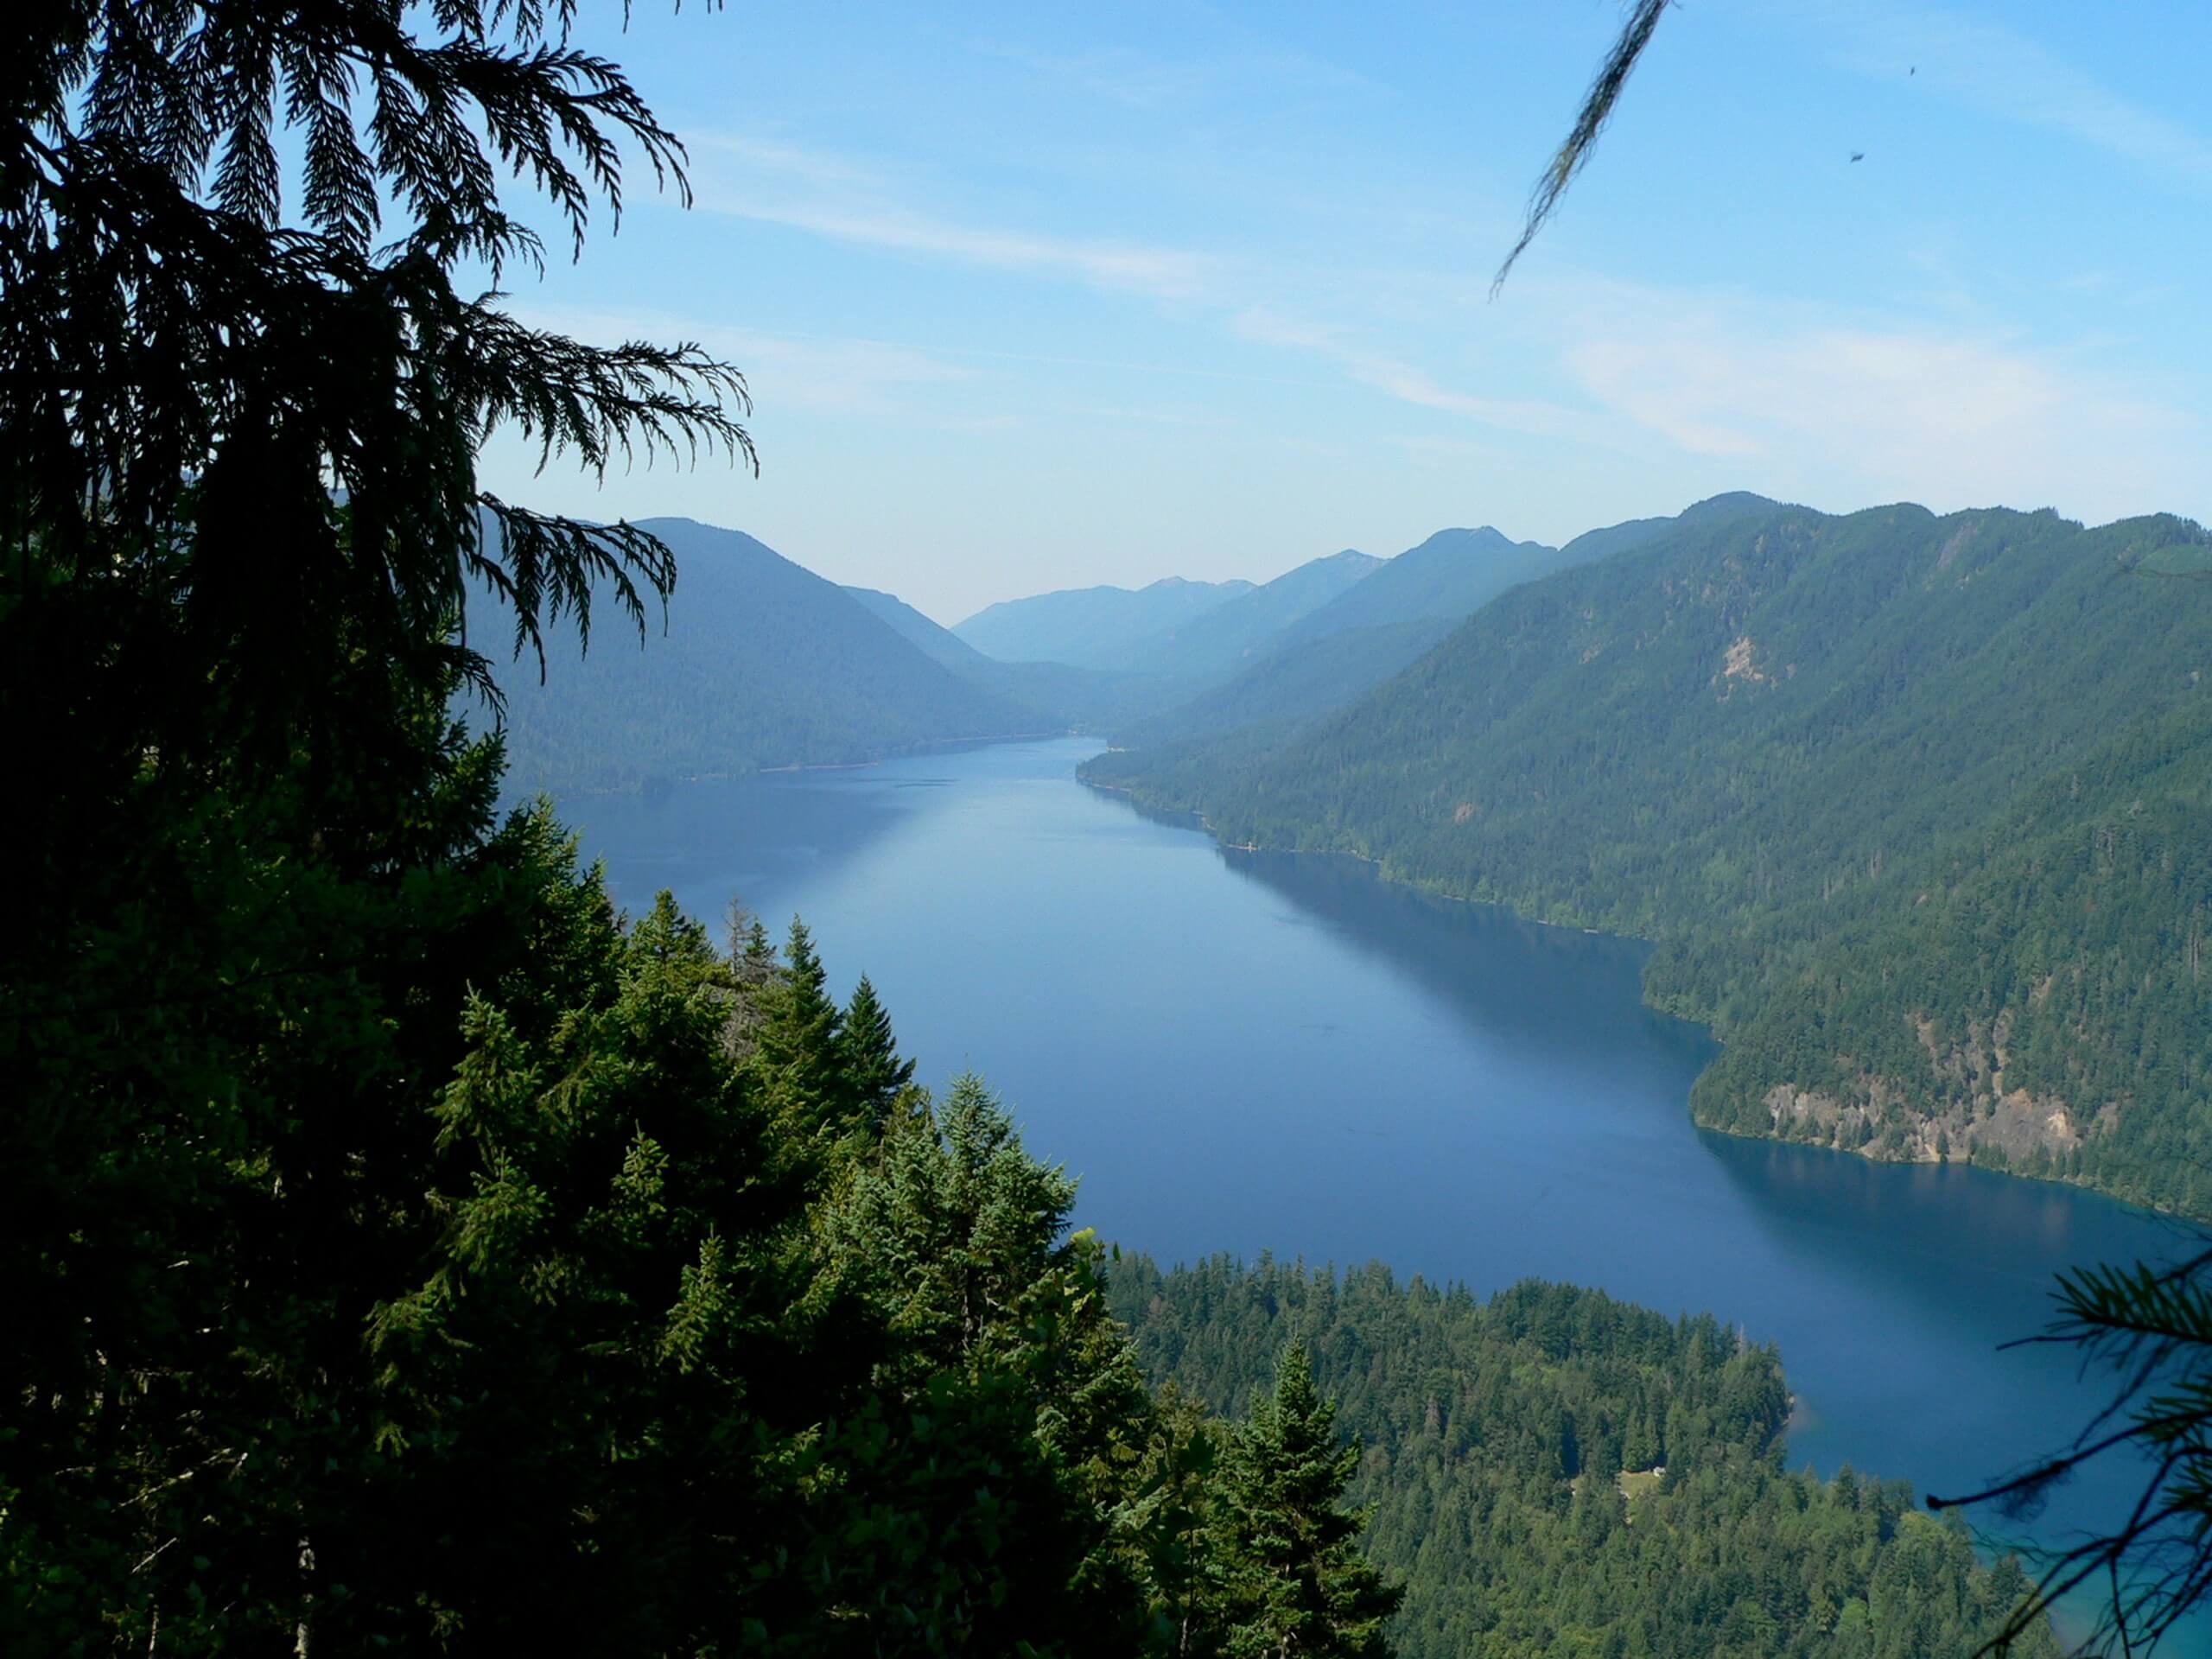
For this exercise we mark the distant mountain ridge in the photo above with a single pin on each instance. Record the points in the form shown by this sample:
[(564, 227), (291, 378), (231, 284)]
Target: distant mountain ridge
[(1338, 652), (1090, 627), (1061, 695), (1445, 577), (1217, 641), (933, 640)]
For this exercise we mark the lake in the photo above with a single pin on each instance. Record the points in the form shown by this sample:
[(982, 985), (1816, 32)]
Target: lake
[(1249, 1052)]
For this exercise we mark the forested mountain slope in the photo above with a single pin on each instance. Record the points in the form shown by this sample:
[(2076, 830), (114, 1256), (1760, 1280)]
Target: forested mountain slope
[(763, 664), (1447, 576), (1916, 809), (1215, 643), (1090, 627), (1556, 1472), (1341, 651), (1290, 684)]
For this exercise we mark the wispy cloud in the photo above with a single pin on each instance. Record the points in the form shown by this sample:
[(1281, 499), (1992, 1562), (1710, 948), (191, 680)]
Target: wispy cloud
[(1163, 273), (1143, 81), (1401, 380), (849, 203), (786, 159), (1879, 409), (808, 371), (1823, 403)]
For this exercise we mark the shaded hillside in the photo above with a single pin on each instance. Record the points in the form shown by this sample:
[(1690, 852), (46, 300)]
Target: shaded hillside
[(937, 642), (1090, 627), (763, 664), (1919, 809)]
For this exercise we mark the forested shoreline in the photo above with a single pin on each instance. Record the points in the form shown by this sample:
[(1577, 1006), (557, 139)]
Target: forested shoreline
[(1913, 809)]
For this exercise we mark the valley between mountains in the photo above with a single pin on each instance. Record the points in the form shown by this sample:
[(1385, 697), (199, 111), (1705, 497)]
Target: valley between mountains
[(1913, 807)]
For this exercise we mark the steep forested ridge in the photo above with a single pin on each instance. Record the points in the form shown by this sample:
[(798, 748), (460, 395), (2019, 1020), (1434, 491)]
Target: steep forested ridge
[(1916, 808), (1291, 685), (1329, 657), (1217, 642), (1447, 576), (1553, 1472), (763, 664), (937, 642)]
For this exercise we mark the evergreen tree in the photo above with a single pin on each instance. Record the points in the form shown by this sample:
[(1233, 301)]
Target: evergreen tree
[(758, 956), (1034, 1419), (1297, 1582), (873, 1069), (237, 434), (797, 1046), (1173, 1525)]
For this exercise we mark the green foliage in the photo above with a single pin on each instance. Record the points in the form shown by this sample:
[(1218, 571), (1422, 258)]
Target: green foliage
[(798, 1052), (1496, 1441), (869, 1056), (1294, 1581), (1914, 808)]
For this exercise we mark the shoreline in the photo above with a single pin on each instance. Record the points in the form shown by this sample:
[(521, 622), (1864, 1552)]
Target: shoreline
[(1445, 894), (785, 768)]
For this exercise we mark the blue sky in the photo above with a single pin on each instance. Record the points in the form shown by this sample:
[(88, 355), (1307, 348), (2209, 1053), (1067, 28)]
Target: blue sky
[(1035, 297)]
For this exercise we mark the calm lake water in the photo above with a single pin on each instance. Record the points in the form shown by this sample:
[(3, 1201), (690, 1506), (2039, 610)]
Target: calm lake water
[(1262, 1051)]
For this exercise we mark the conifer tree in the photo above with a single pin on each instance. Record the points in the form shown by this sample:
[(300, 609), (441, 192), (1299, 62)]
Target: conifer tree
[(1172, 1524), (1030, 1420), (798, 1052), (759, 955), (1297, 1582), (873, 1069)]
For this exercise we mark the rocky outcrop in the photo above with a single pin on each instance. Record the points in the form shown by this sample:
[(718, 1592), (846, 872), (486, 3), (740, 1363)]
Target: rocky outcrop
[(1962, 1109)]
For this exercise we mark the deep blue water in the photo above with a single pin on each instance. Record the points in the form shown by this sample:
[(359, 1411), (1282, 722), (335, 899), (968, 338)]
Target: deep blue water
[(1245, 1051)]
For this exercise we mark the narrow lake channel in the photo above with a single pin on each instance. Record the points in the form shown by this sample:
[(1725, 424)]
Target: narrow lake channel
[(1247, 1051)]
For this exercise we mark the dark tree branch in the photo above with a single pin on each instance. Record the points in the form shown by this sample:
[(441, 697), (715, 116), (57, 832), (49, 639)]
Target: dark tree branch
[(1596, 109)]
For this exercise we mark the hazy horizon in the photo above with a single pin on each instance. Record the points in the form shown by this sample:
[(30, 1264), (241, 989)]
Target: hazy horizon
[(1031, 303), (1271, 574)]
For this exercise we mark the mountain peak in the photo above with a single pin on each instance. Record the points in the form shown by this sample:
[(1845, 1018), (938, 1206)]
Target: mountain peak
[(1726, 505)]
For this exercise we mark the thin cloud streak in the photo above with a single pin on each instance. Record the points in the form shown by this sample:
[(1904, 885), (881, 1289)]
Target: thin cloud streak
[(1142, 81), (1405, 382), (845, 203), (1162, 273), (1869, 410)]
